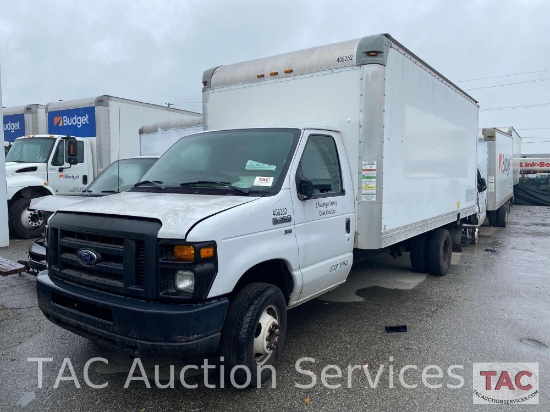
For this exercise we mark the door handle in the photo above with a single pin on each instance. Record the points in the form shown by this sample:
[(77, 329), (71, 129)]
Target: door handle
[(348, 225)]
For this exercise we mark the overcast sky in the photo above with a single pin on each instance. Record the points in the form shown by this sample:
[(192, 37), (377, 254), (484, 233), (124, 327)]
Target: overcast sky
[(156, 51)]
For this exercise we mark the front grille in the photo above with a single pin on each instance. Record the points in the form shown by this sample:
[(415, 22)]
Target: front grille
[(123, 260)]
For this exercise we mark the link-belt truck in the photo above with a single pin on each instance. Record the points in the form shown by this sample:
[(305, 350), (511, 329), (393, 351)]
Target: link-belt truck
[(107, 129), (308, 156)]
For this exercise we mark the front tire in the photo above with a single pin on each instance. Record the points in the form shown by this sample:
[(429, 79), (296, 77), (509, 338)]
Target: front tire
[(253, 334), (440, 251), (26, 223)]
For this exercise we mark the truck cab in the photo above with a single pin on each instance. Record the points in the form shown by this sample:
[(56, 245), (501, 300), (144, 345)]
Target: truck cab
[(37, 166)]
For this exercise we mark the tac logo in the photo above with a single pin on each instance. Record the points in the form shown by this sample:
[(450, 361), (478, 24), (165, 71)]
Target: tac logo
[(58, 121), (506, 383)]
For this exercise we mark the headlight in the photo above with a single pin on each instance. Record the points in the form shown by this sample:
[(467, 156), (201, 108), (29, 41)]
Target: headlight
[(184, 281)]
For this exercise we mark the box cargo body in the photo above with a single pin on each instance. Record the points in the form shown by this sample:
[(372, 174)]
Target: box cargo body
[(409, 133), (500, 174), (156, 138), (113, 121), (24, 120)]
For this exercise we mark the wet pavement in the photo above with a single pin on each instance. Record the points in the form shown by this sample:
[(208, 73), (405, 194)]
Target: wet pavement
[(493, 306)]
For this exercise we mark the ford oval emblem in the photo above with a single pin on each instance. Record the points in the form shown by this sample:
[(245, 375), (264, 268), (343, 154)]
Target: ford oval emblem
[(88, 257)]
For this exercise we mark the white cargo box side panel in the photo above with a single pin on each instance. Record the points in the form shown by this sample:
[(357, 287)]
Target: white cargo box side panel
[(325, 99), (482, 155), (125, 120), (156, 143), (500, 173), (429, 152)]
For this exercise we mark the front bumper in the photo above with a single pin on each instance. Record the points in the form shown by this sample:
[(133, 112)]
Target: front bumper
[(37, 257), (137, 327)]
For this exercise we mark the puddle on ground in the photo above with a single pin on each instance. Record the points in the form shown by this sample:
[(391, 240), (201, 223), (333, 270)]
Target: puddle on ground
[(27, 398)]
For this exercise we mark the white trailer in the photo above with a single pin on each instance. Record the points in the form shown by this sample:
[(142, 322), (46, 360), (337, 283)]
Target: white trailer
[(308, 156), (107, 129), (500, 174), (155, 139)]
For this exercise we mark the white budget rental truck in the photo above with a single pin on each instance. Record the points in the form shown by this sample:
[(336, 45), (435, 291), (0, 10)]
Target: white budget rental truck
[(308, 156), (106, 128)]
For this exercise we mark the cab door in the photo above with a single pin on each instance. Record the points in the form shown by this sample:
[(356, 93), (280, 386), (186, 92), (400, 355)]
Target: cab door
[(325, 216), (69, 179)]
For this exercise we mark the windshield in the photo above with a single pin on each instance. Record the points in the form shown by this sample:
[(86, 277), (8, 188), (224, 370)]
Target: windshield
[(121, 175), (30, 150), (237, 161)]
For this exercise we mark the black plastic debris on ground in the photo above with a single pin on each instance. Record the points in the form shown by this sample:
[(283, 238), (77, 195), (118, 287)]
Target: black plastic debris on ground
[(398, 328)]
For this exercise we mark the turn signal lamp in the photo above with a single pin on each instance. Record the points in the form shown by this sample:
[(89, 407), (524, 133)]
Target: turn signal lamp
[(184, 253), (372, 53), (207, 253)]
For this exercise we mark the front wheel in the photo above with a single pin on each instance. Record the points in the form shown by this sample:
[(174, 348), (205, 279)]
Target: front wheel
[(26, 223), (253, 334)]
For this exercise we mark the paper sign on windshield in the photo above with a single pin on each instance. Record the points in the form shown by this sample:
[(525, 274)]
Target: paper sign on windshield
[(252, 165)]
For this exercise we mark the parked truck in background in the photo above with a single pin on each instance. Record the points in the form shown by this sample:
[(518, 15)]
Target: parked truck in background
[(156, 138), (107, 129), (23, 120), (500, 174), (308, 157), (119, 176)]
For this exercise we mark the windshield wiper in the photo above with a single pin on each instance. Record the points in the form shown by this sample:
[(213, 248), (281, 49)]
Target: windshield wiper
[(156, 183), (224, 184), (109, 191)]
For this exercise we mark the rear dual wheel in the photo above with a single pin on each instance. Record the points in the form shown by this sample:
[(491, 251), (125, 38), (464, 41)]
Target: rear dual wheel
[(431, 252)]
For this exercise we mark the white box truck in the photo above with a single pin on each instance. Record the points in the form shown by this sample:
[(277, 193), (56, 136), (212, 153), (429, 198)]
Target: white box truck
[(310, 156), (107, 129), (500, 174), (155, 139), (23, 120)]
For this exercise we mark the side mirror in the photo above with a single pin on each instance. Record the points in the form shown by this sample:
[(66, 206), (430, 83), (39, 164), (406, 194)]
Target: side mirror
[(72, 151), (305, 189), (481, 185)]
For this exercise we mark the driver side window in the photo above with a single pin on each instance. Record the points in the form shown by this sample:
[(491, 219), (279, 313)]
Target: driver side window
[(58, 158), (321, 165)]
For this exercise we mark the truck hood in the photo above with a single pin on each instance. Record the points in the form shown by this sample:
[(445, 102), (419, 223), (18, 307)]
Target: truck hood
[(14, 167), (53, 203), (177, 212)]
